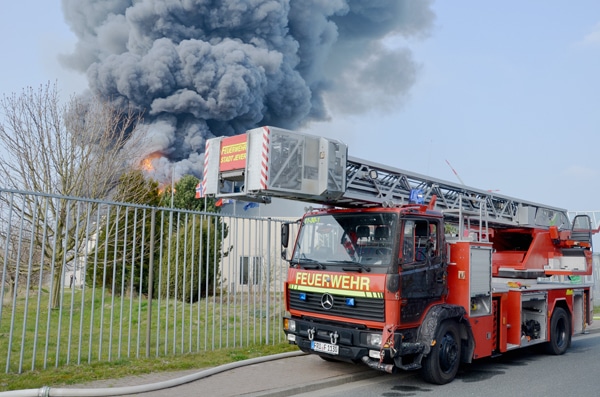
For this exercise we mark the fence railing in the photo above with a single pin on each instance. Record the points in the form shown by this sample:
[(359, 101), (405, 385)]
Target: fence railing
[(85, 281)]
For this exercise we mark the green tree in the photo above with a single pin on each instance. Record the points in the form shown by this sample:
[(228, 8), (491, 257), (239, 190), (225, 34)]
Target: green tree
[(192, 269), (199, 240), (189, 241), (184, 196), (135, 188), (120, 256)]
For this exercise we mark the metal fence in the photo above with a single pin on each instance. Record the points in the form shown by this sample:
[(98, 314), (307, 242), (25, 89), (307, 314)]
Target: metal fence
[(86, 281)]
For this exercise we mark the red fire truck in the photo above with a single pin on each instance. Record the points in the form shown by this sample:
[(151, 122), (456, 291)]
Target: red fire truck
[(398, 270)]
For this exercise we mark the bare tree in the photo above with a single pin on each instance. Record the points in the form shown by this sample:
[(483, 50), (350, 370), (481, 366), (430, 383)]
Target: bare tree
[(77, 150)]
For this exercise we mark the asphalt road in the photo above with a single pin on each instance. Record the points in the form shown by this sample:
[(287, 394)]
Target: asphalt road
[(521, 373)]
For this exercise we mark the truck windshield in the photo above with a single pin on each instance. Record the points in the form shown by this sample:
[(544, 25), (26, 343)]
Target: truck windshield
[(346, 238)]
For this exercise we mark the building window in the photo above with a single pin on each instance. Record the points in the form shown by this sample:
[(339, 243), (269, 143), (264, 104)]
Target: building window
[(250, 270)]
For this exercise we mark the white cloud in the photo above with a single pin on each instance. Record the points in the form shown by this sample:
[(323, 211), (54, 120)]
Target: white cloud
[(580, 173), (592, 38)]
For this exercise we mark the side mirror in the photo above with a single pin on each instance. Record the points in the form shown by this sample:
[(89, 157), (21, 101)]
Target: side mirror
[(285, 235)]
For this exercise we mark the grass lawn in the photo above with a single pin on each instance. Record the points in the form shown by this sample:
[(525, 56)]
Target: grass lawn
[(97, 336)]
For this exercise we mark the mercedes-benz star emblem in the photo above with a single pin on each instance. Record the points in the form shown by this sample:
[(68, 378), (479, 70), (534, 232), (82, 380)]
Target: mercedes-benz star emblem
[(327, 301)]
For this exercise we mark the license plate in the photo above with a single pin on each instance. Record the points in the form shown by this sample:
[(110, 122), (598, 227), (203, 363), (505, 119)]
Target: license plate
[(325, 347)]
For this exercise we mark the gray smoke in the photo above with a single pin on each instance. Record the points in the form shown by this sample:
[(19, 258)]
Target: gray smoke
[(204, 68)]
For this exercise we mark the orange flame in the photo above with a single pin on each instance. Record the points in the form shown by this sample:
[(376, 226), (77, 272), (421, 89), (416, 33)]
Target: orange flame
[(146, 163)]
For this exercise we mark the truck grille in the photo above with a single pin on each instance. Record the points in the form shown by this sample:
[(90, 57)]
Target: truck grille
[(364, 308)]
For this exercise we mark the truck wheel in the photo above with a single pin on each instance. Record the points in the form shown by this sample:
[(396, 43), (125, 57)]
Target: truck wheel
[(560, 332), (441, 364)]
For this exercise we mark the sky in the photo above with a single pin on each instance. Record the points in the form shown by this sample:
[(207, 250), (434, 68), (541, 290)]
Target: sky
[(507, 92)]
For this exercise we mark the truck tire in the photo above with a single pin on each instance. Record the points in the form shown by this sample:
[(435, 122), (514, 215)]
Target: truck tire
[(560, 332), (441, 364)]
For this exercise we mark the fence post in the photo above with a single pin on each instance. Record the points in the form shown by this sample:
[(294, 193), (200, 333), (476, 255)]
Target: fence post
[(150, 281), (268, 325)]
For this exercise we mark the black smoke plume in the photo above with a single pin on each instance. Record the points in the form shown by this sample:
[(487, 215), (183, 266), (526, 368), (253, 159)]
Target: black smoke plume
[(204, 68)]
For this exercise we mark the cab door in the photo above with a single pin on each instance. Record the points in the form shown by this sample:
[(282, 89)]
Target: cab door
[(422, 269)]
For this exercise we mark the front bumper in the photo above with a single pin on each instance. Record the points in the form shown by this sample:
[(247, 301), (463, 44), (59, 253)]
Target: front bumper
[(348, 339), (352, 343)]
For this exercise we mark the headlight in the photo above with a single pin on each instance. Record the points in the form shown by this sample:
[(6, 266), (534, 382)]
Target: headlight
[(374, 340), (289, 325)]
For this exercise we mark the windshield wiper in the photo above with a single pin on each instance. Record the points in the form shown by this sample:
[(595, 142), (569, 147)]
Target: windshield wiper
[(360, 266), (305, 261)]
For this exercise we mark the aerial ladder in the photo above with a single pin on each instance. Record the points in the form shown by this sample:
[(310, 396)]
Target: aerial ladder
[(273, 162)]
